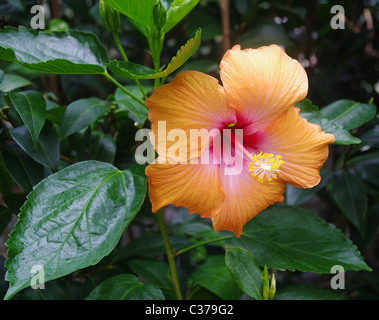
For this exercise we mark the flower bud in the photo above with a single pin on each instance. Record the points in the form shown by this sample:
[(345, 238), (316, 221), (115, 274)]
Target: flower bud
[(159, 15), (272, 290), (110, 16), (265, 284)]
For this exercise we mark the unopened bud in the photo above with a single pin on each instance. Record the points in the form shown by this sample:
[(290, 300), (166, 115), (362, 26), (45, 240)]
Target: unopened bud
[(265, 284), (110, 16), (271, 292), (159, 15)]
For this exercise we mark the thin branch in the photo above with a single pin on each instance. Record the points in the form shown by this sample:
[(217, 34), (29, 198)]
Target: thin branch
[(225, 17)]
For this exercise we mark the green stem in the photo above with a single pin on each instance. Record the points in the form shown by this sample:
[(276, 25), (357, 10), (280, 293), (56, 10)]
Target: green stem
[(155, 39), (170, 255), (121, 49), (177, 253), (114, 81), (119, 46)]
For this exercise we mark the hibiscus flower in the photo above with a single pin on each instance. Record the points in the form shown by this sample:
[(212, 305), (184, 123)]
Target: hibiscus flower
[(257, 97)]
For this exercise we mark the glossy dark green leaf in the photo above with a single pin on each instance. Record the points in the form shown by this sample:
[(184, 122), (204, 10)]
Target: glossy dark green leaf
[(31, 106), (176, 11), (13, 81), (132, 109), (350, 194), (47, 151), (371, 137), (7, 183), (99, 146), (125, 287), (152, 271), (306, 292), (72, 219), (141, 11), (312, 114), (22, 168), (128, 107), (69, 52), (369, 171), (55, 115), (296, 196), (102, 147), (80, 141), (289, 238), (148, 245), (349, 114), (214, 276), (130, 70), (80, 114), (245, 271)]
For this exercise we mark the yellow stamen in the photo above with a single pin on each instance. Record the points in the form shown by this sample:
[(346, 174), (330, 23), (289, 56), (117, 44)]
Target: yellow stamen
[(265, 165)]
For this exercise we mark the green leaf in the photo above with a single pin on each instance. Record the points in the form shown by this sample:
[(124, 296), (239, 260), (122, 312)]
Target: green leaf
[(214, 276), (7, 183), (80, 114), (128, 107), (69, 52), (22, 168), (72, 219), (133, 108), (177, 11), (56, 25), (184, 53), (141, 11), (130, 70), (245, 271), (369, 170), (152, 271), (80, 141), (125, 287), (102, 147), (296, 196), (371, 137), (305, 292), (349, 114), (31, 106), (313, 115), (47, 151), (350, 194), (289, 238), (147, 245), (13, 81)]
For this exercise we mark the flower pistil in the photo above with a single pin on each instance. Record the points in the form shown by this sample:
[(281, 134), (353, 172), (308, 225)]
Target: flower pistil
[(265, 165)]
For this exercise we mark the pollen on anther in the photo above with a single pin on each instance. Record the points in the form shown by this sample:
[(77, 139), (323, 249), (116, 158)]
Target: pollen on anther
[(265, 166)]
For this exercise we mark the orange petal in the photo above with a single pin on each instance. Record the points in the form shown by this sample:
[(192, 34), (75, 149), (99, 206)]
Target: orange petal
[(194, 186), (245, 197), (302, 145), (262, 83), (193, 100)]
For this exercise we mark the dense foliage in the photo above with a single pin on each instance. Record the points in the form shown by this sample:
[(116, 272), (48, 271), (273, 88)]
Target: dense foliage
[(72, 100)]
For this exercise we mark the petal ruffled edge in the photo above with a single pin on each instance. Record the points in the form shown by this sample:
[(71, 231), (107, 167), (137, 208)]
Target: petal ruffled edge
[(304, 148), (262, 83)]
